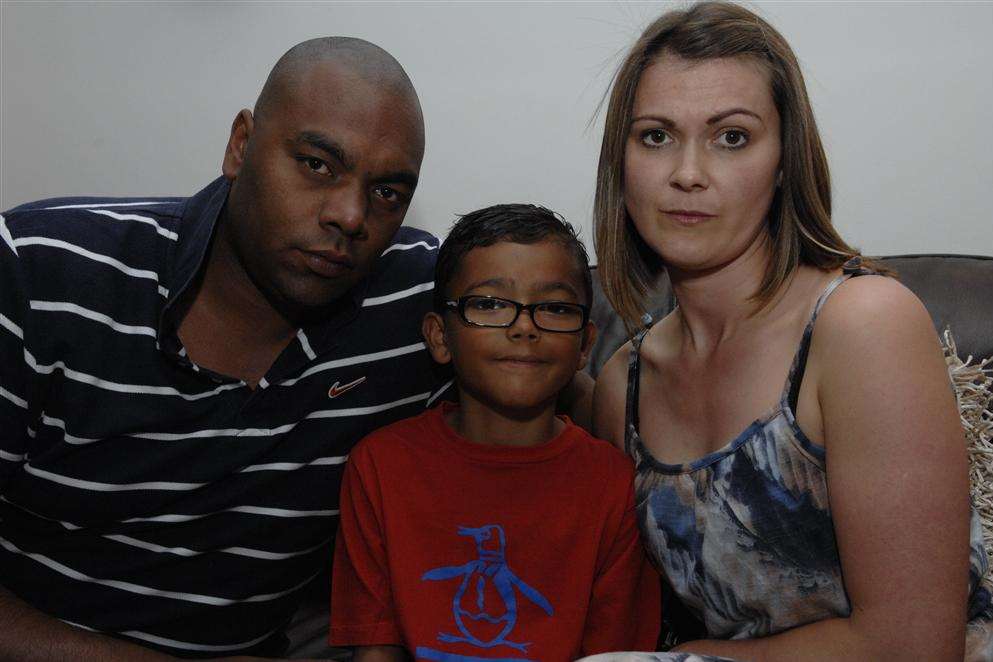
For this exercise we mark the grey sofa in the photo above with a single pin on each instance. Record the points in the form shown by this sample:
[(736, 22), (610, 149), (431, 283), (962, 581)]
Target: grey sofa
[(957, 291)]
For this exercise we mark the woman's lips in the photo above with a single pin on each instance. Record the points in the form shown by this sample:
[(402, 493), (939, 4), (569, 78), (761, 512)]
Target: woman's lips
[(687, 216)]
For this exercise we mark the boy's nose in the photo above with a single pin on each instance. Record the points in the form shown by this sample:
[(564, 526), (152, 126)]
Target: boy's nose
[(523, 326)]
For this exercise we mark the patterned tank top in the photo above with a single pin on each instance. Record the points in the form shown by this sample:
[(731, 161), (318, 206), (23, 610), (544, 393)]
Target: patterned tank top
[(744, 535)]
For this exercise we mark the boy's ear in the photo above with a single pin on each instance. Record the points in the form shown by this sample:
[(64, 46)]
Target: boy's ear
[(433, 330), (589, 337)]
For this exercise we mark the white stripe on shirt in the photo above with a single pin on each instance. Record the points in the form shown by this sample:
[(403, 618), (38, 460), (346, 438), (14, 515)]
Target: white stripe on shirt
[(6, 323), (144, 590), (168, 234), (5, 235), (173, 643), (68, 438), (266, 432), (305, 344), (7, 395), (110, 487), (96, 257), (293, 466), (237, 551), (355, 360), (96, 205), (407, 247), (247, 510), (67, 307), (121, 388), (402, 294)]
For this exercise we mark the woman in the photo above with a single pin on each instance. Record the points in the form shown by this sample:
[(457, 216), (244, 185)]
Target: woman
[(803, 487)]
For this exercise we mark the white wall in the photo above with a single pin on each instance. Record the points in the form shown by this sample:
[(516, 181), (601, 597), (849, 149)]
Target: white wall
[(137, 99)]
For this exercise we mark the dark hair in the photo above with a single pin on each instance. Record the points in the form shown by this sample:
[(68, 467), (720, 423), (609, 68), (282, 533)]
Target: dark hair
[(799, 221), (518, 223)]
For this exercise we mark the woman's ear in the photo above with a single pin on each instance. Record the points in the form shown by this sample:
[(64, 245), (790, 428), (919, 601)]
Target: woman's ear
[(433, 330)]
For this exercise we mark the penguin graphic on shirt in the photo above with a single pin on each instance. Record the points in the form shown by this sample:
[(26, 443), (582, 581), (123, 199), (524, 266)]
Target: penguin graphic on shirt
[(488, 571)]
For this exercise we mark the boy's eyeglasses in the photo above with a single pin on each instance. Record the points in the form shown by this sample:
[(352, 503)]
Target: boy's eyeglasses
[(494, 312)]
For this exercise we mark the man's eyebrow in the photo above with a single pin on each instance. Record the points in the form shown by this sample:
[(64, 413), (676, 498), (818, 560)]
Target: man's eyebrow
[(327, 145), (406, 177)]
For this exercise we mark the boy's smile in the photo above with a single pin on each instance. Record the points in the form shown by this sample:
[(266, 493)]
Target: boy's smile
[(516, 372)]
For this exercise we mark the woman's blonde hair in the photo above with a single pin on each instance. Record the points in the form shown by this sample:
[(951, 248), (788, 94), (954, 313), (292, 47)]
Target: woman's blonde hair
[(799, 220)]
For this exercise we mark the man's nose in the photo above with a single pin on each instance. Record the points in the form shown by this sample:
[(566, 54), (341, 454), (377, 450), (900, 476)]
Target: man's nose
[(345, 208), (690, 170)]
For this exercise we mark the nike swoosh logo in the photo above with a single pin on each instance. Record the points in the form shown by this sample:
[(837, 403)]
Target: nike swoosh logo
[(338, 388)]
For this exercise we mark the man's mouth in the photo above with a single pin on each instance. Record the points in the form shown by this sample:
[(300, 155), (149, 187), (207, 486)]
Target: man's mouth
[(327, 263)]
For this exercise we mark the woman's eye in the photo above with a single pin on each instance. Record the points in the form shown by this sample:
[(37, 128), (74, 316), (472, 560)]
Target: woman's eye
[(655, 138), (316, 165), (732, 139)]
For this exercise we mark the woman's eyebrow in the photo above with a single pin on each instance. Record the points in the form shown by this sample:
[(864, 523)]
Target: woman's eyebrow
[(664, 121), (733, 111), (670, 124)]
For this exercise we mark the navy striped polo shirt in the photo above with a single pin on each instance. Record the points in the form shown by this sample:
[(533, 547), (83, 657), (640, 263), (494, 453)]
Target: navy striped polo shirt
[(148, 498)]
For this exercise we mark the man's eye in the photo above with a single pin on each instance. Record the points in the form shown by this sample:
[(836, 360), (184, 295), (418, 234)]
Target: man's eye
[(655, 138), (388, 194), (732, 139), (316, 165)]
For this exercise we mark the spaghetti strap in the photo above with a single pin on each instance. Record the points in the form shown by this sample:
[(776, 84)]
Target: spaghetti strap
[(631, 404), (791, 390)]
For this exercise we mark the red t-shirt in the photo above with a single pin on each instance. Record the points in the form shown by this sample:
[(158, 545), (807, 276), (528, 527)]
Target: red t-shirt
[(463, 551)]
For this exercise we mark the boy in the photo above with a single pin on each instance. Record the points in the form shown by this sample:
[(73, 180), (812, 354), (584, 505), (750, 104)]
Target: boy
[(494, 529)]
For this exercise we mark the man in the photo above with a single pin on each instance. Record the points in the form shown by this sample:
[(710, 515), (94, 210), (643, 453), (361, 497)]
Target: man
[(181, 379)]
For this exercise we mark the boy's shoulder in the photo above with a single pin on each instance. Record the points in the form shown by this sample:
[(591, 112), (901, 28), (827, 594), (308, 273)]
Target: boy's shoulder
[(405, 433), (603, 454)]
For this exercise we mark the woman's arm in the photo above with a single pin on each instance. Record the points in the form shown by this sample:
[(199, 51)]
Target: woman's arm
[(897, 483)]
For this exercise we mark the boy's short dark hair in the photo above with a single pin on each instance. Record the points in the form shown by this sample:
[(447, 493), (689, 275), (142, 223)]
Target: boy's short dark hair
[(518, 223)]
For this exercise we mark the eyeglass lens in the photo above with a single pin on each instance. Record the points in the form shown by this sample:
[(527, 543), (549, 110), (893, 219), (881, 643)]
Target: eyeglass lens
[(551, 316)]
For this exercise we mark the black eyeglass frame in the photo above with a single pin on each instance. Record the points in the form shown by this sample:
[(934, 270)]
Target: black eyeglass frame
[(459, 305)]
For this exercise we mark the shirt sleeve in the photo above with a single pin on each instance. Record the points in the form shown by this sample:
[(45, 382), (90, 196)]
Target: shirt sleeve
[(13, 375), (362, 611), (625, 604)]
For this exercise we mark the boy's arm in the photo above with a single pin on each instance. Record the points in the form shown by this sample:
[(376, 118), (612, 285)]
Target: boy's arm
[(625, 603), (362, 611)]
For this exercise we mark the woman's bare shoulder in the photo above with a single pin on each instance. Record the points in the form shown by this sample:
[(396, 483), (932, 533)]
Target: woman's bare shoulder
[(874, 309)]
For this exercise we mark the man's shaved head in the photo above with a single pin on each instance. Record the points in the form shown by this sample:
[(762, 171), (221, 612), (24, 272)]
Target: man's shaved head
[(358, 56), (322, 173)]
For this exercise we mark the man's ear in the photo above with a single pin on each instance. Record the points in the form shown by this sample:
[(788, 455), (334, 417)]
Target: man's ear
[(234, 154), (589, 337), (433, 330)]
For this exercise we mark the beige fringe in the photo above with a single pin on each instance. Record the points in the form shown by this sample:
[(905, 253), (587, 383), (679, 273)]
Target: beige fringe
[(973, 385)]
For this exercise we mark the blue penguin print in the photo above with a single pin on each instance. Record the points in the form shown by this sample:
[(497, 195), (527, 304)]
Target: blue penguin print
[(489, 567)]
